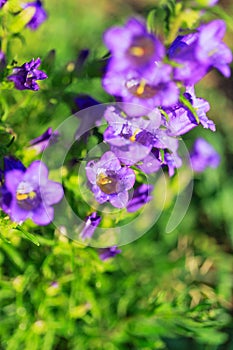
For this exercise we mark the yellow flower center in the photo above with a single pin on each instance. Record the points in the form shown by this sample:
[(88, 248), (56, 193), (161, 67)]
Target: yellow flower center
[(107, 184), (23, 196), (137, 51), (133, 137)]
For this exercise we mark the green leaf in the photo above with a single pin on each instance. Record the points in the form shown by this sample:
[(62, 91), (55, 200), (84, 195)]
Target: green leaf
[(158, 20), (182, 18), (14, 6), (29, 236), (13, 255), (21, 20)]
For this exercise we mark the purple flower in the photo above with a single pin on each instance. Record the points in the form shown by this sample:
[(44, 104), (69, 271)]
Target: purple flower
[(39, 16), (151, 89), (131, 139), (173, 161), (25, 76), (2, 60), (33, 194), (89, 118), (151, 163), (84, 101), (92, 221), (107, 253), (181, 118), (201, 51), (110, 182), (203, 155), (40, 143), (207, 2), (10, 163), (211, 50), (212, 2), (5, 198), (140, 197), (2, 2), (133, 47), (167, 146)]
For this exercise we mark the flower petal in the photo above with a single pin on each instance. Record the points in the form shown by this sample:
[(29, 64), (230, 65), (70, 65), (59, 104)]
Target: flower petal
[(12, 180), (119, 200), (52, 193), (37, 173), (43, 216)]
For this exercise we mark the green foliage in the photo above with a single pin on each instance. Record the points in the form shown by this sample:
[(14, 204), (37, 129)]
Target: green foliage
[(62, 292)]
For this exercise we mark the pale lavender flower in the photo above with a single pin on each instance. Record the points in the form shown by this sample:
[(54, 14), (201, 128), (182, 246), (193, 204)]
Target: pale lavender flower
[(181, 119), (203, 155), (110, 181), (91, 222), (197, 53), (131, 139), (152, 88)]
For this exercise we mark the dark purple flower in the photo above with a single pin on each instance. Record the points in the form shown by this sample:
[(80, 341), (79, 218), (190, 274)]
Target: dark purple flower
[(2, 60), (25, 76), (5, 198), (107, 253), (141, 196), (84, 101), (201, 51), (181, 119), (203, 155), (2, 2), (150, 89), (89, 115), (33, 194), (81, 59), (132, 47), (92, 221), (9, 163), (40, 143), (39, 16), (110, 182), (131, 139)]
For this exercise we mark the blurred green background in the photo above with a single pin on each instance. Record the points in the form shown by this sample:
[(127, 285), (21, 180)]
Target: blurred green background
[(165, 291)]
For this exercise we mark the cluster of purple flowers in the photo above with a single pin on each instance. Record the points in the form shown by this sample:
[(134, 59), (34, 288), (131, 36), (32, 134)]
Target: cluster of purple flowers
[(155, 87)]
